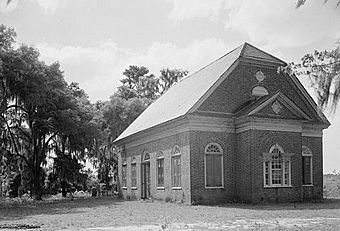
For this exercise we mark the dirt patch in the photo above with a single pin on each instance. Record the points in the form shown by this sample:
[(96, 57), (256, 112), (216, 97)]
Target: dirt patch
[(108, 213)]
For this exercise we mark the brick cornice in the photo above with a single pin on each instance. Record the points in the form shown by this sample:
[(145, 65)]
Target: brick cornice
[(223, 125)]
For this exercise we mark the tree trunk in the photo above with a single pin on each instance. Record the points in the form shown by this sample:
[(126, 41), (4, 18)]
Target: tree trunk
[(37, 189), (63, 188)]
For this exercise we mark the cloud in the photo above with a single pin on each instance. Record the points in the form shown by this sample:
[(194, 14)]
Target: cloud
[(187, 9), (48, 5), (99, 69), (267, 23), (191, 57), (6, 7), (279, 24)]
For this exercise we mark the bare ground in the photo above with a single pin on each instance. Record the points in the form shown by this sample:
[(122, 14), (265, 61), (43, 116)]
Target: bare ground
[(109, 213)]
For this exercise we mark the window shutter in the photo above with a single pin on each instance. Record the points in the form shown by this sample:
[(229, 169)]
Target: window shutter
[(218, 171), (210, 174), (306, 170)]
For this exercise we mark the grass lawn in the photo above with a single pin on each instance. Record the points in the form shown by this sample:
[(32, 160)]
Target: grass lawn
[(109, 213)]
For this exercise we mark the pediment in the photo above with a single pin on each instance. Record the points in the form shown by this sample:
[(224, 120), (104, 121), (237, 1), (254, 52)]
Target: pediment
[(280, 106)]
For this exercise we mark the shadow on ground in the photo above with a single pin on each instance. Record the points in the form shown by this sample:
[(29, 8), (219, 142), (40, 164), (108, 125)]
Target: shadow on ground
[(65, 206), (329, 203)]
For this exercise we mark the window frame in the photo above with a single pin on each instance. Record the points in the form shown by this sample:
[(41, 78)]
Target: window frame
[(124, 175), (284, 158), (307, 152), (160, 157), (176, 154), (206, 153), (134, 176)]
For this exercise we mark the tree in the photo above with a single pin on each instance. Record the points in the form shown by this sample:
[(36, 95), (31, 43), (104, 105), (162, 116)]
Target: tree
[(36, 105), (300, 3), (138, 83), (323, 70), (169, 77)]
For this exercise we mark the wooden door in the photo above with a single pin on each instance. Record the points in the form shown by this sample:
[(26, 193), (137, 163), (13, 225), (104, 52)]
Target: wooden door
[(145, 180)]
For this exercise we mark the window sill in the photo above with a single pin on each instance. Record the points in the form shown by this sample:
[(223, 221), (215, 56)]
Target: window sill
[(176, 188), (278, 186), (160, 188), (307, 185), (124, 188), (134, 188), (218, 187)]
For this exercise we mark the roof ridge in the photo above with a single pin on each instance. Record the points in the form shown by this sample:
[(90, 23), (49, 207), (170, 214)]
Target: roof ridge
[(211, 63), (258, 49)]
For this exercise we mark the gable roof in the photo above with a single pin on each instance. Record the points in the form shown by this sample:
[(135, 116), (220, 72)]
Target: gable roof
[(259, 104), (191, 91)]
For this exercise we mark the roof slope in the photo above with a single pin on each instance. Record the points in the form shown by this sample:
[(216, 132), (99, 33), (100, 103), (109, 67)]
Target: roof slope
[(181, 97)]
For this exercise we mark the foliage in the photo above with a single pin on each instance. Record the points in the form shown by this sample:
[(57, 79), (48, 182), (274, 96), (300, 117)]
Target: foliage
[(40, 112), (42, 116), (169, 77), (300, 3), (323, 69)]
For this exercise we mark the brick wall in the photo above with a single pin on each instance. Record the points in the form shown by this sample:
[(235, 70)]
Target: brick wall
[(243, 167), (236, 89), (199, 193), (315, 192), (291, 142), (165, 145)]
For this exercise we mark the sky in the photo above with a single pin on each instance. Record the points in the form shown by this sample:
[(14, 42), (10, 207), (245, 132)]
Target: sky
[(95, 41)]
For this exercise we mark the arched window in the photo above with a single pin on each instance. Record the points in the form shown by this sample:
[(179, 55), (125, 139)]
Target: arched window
[(160, 169), (259, 91), (213, 159), (307, 166), (276, 167), (176, 167)]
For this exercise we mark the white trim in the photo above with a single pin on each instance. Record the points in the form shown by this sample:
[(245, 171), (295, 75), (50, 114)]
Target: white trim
[(214, 187), (176, 188), (189, 123), (268, 125), (160, 188), (264, 104), (318, 134), (225, 125), (276, 146), (278, 186), (286, 157), (131, 165), (309, 99), (171, 166), (205, 165), (158, 159), (134, 188), (282, 98), (309, 154)]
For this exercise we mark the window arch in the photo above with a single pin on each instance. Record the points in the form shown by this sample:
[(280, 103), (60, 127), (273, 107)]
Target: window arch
[(213, 164), (276, 167), (259, 91), (307, 166), (146, 156), (176, 166)]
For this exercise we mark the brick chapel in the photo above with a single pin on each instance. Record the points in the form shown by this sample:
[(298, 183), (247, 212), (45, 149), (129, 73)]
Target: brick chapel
[(236, 130)]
